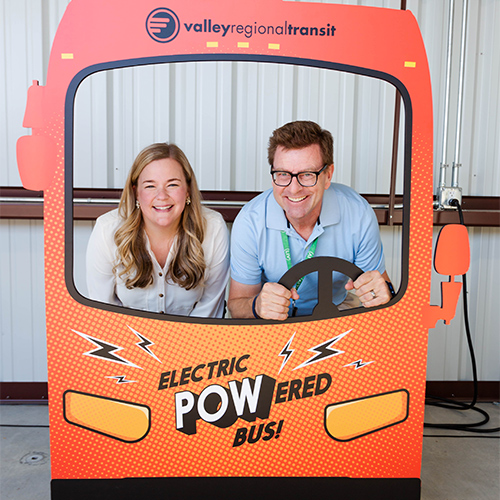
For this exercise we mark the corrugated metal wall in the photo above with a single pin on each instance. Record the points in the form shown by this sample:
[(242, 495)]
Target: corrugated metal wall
[(221, 114)]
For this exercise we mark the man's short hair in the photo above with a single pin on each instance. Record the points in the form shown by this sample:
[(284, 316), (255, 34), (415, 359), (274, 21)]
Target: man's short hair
[(298, 135)]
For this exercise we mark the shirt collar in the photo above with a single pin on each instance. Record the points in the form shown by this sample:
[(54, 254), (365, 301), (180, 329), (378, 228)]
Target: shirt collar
[(275, 216), (170, 255), (330, 209)]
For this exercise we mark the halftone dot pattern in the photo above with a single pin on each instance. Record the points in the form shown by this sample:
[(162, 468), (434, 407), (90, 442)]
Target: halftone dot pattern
[(393, 338)]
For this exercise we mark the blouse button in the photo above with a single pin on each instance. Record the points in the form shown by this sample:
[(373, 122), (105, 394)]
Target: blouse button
[(160, 274), (161, 294)]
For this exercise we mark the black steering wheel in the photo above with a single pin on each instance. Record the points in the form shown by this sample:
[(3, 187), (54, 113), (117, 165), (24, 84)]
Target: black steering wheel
[(325, 308)]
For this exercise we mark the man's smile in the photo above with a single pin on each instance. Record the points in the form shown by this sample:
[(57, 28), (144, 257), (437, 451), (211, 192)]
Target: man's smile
[(296, 200)]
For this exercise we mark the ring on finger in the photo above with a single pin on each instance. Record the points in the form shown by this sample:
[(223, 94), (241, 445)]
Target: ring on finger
[(374, 295)]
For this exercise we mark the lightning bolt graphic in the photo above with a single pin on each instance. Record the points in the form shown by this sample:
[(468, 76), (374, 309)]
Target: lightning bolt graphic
[(144, 345), (286, 352), (120, 379), (358, 364), (323, 351), (105, 351)]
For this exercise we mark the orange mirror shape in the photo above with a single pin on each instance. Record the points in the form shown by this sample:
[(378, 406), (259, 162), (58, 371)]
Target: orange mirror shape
[(452, 255)]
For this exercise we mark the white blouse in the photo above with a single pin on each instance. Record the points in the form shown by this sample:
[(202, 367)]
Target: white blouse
[(162, 295)]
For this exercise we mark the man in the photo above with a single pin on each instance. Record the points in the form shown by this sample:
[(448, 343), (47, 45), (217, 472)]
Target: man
[(304, 215)]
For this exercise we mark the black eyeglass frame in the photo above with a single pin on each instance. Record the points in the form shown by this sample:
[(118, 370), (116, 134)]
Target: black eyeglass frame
[(297, 176)]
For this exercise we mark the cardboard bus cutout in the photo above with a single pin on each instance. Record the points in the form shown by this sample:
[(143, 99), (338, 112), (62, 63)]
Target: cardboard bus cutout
[(331, 404)]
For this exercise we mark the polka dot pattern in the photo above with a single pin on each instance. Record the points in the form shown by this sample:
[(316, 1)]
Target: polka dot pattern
[(393, 339)]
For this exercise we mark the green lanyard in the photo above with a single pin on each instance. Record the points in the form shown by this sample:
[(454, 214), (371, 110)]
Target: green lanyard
[(288, 258)]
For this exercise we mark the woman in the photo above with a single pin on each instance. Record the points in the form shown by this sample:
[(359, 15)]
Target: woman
[(160, 251)]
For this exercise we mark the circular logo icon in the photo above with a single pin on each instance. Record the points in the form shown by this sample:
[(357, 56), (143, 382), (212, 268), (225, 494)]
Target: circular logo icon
[(162, 25)]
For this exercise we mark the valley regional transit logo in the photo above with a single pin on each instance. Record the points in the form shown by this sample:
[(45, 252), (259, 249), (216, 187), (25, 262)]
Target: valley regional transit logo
[(163, 26)]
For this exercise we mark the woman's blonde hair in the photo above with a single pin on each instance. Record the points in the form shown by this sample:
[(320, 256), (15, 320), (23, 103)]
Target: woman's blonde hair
[(187, 268)]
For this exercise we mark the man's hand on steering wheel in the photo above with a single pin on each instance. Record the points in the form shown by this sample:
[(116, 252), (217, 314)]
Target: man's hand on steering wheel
[(371, 288), (325, 308), (273, 301)]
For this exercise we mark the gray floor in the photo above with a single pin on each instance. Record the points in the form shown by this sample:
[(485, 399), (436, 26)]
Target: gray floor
[(462, 467)]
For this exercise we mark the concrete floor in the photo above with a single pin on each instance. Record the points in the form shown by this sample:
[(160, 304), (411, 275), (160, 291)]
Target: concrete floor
[(464, 466)]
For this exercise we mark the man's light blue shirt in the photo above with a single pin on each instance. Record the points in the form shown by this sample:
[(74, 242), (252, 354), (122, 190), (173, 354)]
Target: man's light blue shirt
[(347, 228)]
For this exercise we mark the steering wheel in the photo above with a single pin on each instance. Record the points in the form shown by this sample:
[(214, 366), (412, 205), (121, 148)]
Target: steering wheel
[(325, 308)]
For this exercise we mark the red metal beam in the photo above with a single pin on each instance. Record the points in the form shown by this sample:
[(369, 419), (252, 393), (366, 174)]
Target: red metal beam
[(19, 203)]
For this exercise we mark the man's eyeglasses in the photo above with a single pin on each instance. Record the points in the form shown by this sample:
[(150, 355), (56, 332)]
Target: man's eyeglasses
[(305, 179)]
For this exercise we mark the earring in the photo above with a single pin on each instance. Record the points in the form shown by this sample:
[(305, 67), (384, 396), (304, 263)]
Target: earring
[(188, 200), (137, 204)]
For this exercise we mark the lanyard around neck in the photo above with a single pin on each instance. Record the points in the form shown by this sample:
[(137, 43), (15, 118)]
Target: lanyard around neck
[(288, 257)]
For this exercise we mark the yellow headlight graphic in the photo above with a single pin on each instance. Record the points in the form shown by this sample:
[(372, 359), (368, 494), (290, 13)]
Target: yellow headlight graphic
[(129, 422), (352, 419)]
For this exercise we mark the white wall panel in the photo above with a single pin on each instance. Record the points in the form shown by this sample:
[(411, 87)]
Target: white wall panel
[(21, 59), (480, 152), (222, 114), (22, 306), (81, 236), (391, 240)]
